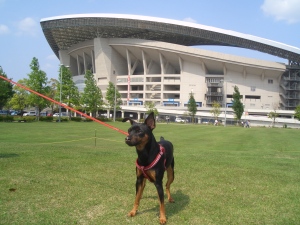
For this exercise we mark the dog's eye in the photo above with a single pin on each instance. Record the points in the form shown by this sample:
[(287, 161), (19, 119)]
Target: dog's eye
[(138, 130)]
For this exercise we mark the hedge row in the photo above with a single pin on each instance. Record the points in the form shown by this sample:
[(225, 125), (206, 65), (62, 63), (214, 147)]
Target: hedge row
[(6, 118), (51, 119)]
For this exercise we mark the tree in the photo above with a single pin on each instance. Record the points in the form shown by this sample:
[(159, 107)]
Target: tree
[(237, 106), (19, 101), (216, 109), (297, 112), (6, 90), (91, 97), (110, 97), (192, 106), (37, 81), (150, 107), (273, 115), (52, 92), (69, 92)]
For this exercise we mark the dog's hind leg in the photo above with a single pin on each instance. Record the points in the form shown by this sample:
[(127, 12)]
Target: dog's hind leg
[(170, 179), (140, 185)]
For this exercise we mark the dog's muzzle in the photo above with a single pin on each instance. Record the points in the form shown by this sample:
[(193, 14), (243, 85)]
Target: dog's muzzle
[(128, 141), (127, 138)]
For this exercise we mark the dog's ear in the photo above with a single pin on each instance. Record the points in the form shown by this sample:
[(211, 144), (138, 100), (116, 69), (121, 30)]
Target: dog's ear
[(130, 120), (150, 121)]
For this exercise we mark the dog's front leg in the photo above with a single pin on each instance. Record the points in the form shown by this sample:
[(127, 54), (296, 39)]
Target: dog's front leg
[(140, 185), (162, 211)]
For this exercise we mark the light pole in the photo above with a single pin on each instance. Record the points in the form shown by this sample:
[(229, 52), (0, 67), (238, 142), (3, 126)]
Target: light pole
[(225, 100), (115, 103), (60, 92)]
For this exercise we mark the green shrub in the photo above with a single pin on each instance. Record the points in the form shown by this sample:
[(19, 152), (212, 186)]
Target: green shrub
[(101, 118), (76, 119), (62, 119), (9, 119), (65, 119), (46, 118), (6, 118), (29, 118), (18, 118), (104, 119)]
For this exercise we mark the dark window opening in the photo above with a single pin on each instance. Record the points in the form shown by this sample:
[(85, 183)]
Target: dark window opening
[(252, 97)]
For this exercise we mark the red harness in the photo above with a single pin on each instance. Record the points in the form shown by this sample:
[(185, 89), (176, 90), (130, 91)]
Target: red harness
[(145, 168)]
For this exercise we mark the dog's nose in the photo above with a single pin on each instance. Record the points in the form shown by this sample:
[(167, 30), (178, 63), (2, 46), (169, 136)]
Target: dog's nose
[(127, 138)]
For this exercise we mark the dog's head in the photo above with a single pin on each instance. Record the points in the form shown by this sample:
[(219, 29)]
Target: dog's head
[(139, 133)]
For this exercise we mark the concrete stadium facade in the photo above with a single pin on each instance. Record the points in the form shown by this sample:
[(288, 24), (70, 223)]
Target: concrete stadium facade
[(149, 60)]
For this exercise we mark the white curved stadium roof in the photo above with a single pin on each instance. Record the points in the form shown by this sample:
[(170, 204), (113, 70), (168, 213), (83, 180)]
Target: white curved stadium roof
[(64, 31)]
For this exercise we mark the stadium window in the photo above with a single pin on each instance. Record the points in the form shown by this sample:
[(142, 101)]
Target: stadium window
[(253, 88), (270, 81), (252, 97)]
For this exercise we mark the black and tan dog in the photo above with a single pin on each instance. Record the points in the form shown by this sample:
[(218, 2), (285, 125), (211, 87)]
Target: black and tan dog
[(153, 159)]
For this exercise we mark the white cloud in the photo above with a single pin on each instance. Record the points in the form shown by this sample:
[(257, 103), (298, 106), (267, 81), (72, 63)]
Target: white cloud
[(286, 10), (51, 57), (189, 19), (47, 66), (3, 29), (27, 26), (51, 65)]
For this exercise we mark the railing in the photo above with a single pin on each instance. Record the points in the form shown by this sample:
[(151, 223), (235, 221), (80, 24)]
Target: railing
[(214, 93), (289, 88), (155, 87), (294, 78), (155, 96), (289, 104), (214, 84), (209, 102), (290, 96)]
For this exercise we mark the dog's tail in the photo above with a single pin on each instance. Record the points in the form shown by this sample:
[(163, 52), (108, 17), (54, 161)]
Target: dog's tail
[(162, 138)]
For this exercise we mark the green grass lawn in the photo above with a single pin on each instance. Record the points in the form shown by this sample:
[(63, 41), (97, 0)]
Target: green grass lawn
[(52, 173)]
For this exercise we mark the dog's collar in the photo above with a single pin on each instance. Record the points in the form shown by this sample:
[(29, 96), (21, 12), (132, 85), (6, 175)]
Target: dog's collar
[(155, 161)]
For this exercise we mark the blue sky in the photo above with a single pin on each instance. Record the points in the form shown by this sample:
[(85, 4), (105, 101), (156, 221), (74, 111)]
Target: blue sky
[(22, 37)]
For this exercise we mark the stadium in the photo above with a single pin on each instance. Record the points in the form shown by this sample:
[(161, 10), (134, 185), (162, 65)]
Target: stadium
[(151, 60)]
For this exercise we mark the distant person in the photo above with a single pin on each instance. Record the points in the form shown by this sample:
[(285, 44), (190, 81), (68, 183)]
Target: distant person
[(216, 123), (247, 124), (168, 119)]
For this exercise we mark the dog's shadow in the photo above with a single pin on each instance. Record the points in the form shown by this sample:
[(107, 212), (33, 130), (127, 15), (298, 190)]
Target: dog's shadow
[(8, 155), (181, 201)]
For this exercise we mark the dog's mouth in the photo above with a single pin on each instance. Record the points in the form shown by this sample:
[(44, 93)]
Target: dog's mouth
[(129, 143)]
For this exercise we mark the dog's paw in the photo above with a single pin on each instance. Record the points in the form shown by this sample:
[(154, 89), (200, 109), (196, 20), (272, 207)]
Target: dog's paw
[(132, 213), (163, 220), (171, 200)]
